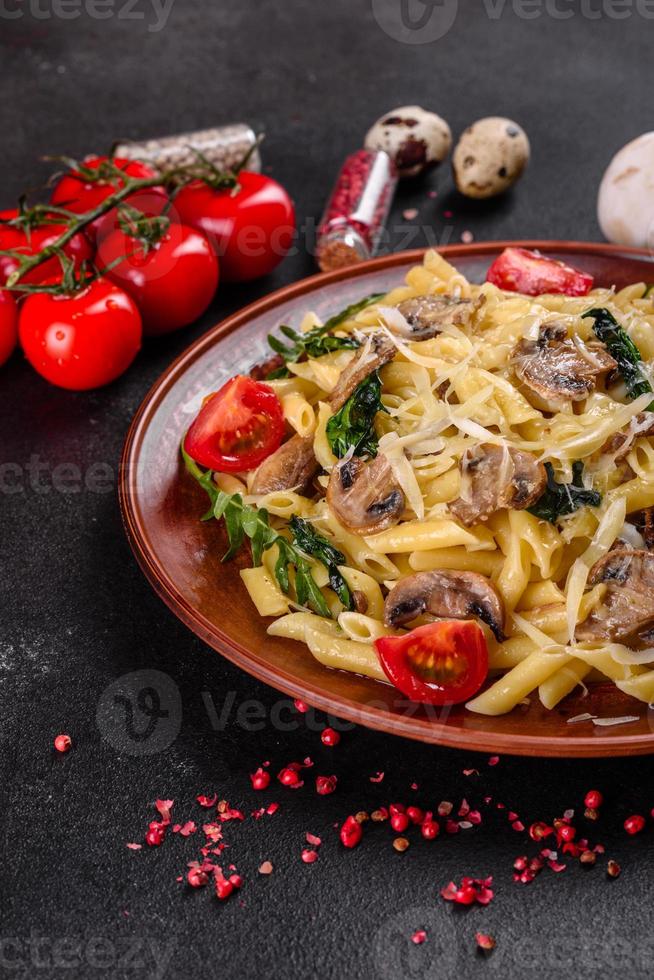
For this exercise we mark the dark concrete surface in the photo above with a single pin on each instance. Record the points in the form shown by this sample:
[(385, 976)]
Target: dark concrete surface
[(76, 613)]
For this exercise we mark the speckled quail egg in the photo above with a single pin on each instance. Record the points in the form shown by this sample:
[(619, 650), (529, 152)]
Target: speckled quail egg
[(625, 202), (413, 138), (490, 156)]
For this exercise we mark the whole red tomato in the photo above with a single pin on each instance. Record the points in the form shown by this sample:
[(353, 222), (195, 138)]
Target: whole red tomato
[(8, 325), (172, 281), (82, 340), (250, 227), (77, 193), (31, 240)]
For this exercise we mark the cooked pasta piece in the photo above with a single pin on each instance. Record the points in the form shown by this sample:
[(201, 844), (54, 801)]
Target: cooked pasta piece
[(479, 436)]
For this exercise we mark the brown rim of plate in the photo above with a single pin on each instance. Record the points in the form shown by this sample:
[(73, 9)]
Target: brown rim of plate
[(422, 729)]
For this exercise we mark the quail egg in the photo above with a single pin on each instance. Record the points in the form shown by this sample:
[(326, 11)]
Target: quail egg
[(489, 157), (415, 139)]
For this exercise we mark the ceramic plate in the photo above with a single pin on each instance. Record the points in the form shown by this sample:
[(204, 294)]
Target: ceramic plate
[(181, 556)]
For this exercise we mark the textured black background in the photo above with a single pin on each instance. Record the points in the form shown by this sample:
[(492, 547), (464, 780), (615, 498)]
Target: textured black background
[(77, 614)]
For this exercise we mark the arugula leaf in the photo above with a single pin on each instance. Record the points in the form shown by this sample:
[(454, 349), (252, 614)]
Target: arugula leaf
[(243, 521), (312, 543), (622, 348), (352, 427), (564, 498), (318, 341)]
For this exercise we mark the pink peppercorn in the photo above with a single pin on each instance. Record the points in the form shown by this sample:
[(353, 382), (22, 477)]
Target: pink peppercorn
[(634, 824)]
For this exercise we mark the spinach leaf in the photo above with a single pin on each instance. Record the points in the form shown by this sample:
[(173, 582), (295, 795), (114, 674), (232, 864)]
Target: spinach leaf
[(243, 521), (353, 425), (564, 498), (319, 340), (308, 540), (622, 348)]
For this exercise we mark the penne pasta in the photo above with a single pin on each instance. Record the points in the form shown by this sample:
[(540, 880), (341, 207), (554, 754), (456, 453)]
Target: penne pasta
[(495, 464)]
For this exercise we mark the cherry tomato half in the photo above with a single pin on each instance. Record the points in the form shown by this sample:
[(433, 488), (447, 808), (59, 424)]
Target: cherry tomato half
[(33, 240), (8, 325), (519, 270), (76, 193), (237, 427), (83, 340), (250, 230), (441, 663), (172, 281)]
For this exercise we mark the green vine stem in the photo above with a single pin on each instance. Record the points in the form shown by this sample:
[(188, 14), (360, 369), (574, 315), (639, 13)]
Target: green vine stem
[(178, 176)]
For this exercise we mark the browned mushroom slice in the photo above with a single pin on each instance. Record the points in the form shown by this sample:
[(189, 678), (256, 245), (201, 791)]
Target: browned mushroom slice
[(556, 371), (643, 521), (626, 614), (446, 595), (427, 316), (365, 497), (620, 443), (493, 477), (291, 467), (376, 351)]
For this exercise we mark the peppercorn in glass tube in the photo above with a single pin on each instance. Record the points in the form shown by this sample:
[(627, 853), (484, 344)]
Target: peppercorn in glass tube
[(351, 227)]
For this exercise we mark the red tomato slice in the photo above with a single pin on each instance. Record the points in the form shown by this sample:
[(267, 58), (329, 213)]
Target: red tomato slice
[(441, 663), (237, 427), (518, 270)]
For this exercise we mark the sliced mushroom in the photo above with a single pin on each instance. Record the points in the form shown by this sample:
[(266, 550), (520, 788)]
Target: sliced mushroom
[(494, 477), (365, 497), (620, 443), (626, 614), (260, 372), (378, 350), (446, 595), (291, 467), (556, 370), (643, 521), (427, 316)]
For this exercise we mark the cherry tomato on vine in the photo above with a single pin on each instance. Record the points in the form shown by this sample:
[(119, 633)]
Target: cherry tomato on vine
[(441, 663), (250, 227), (81, 340), (519, 270), (8, 325), (172, 279), (237, 427), (78, 193), (31, 240)]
